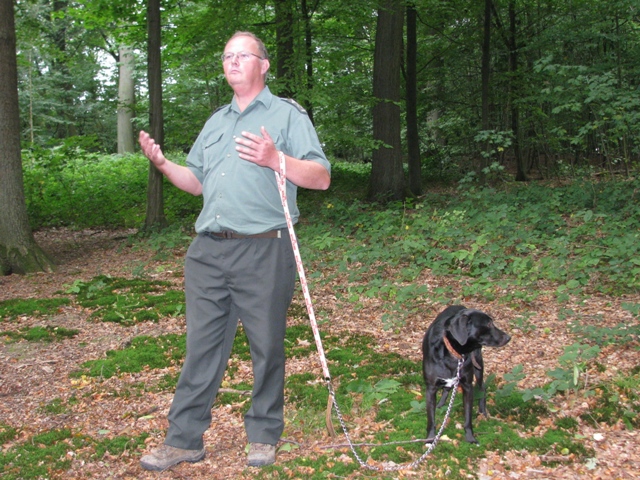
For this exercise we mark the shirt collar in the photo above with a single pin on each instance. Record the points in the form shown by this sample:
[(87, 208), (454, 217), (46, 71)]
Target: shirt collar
[(265, 97)]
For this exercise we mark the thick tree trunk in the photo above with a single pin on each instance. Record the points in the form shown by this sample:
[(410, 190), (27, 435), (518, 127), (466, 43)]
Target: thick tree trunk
[(413, 140), (155, 201), (126, 100), (387, 175), (19, 252)]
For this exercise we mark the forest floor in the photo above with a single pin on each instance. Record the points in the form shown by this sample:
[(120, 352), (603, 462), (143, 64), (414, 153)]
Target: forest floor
[(33, 374)]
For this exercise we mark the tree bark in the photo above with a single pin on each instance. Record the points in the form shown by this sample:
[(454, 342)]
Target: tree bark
[(486, 74), (387, 175), (19, 252), (126, 100), (521, 174), (155, 201), (413, 140), (284, 48)]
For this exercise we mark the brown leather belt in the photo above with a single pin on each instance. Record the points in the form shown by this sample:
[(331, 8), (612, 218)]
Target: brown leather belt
[(234, 235)]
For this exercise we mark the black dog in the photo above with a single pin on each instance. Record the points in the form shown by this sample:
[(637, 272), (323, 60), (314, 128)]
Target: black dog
[(457, 332)]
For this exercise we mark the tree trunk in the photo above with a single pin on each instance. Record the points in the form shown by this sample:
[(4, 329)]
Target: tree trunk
[(387, 175), (126, 100), (413, 140), (19, 252), (155, 200), (284, 48), (521, 174), (486, 74)]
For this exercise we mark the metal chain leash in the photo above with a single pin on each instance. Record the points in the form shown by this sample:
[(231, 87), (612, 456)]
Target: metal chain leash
[(415, 463), (282, 187)]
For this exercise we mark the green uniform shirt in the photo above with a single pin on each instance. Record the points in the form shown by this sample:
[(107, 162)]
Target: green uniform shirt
[(239, 195)]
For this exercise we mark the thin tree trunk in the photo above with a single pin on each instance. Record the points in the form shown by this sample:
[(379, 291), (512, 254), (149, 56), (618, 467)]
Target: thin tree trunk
[(284, 47), (413, 140), (155, 201), (126, 100), (521, 174), (387, 175), (486, 72), (19, 252)]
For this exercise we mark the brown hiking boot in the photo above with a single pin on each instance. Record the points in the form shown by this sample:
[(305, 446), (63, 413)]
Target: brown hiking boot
[(261, 455), (166, 456)]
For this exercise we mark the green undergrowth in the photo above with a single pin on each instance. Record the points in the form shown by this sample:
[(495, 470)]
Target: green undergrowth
[(50, 454), (128, 301), (140, 353), (496, 243), (46, 334), (19, 307)]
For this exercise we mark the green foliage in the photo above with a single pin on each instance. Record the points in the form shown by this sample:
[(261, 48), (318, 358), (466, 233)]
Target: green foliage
[(116, 446), (142, 352), (47, 334), (7, 433), (55, 407), (568, 377), (618, 401), (128, 301), (499, 244), (46, 455), (83, 190), (15, 307), (42, 456)]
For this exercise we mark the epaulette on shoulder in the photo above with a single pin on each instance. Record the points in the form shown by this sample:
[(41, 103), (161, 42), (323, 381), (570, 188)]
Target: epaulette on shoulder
[(217, 110), (295, 104)]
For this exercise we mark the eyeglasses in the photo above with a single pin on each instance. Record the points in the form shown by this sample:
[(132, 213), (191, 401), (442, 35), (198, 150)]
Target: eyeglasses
[(242, 56)]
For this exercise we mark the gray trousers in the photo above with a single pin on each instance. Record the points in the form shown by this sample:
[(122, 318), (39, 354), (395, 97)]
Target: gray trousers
[(226, 280)]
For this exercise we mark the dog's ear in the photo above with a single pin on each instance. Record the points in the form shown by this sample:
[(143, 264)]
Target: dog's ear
[(458, 327)]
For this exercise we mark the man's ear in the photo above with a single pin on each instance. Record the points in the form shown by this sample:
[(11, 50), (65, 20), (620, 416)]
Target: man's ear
[(265, 66)]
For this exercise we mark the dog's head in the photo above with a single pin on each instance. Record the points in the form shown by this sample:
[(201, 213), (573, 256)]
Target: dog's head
[(476, 327)]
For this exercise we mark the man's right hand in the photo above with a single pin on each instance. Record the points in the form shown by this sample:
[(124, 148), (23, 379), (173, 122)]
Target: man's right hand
[(151, 149)]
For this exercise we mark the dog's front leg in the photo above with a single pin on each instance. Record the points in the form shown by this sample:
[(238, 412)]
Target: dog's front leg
[(467, 392), (430, 398)]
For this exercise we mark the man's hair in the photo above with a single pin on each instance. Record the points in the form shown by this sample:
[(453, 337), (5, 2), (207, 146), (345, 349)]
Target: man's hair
[(261, 48)]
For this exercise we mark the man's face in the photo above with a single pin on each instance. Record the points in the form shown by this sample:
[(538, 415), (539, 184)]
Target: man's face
[(247, 72)]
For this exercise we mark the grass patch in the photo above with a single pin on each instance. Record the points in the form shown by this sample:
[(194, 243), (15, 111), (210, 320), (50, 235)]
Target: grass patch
[(15, 307), (46, 455), (42, 456), (128, 301), (143, 352), (46, 334), (118, 445)]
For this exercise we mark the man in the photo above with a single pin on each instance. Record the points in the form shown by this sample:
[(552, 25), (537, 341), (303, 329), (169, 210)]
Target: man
[(241, 265)]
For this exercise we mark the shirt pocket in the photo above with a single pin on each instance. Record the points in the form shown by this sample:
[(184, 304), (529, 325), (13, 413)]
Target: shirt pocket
[(212, 150)]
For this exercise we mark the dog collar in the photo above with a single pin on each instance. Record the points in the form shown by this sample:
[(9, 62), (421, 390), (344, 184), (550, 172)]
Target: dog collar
[(452, 350)]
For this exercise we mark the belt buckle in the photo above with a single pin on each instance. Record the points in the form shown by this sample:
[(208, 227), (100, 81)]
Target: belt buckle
[(227, 234)]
